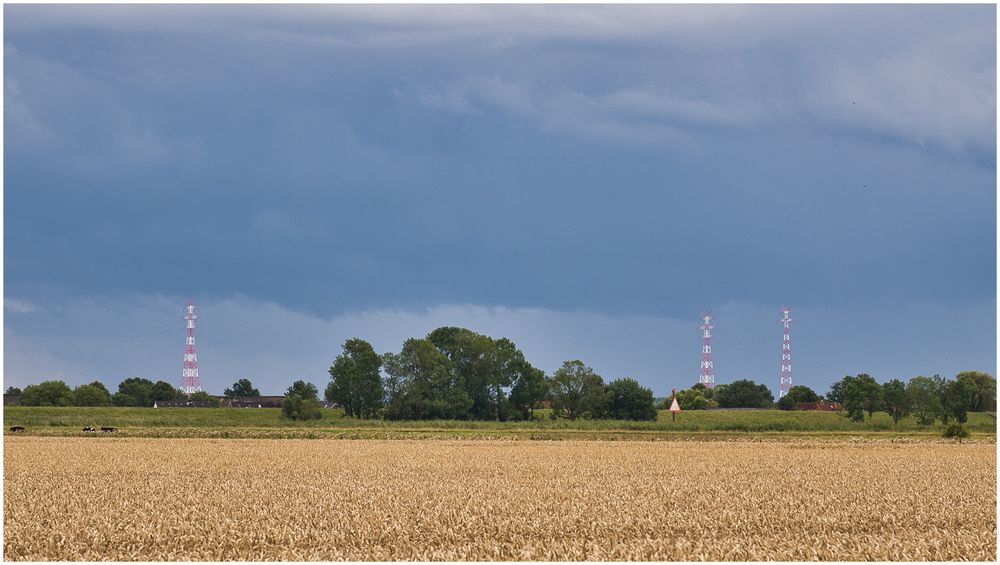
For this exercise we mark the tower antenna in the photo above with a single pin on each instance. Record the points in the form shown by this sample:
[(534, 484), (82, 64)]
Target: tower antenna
[(190, 382), (707, 376), (785, 384)]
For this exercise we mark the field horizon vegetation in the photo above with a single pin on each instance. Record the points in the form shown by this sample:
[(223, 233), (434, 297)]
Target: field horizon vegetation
[(269, 423)]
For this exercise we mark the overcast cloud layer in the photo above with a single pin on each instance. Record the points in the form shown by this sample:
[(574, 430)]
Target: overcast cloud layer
[(586, 180)]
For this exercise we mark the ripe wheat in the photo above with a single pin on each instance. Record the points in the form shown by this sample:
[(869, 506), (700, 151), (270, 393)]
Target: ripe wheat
[(164, 499)]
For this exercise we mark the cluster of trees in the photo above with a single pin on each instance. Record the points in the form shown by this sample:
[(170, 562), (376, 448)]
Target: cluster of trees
[(926, 398), (737, 394), (133, 391), (455, 373), (301, 399)]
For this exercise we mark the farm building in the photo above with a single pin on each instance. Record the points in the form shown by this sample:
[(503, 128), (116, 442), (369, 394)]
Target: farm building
[(821, 406), (250, 401), (182, 404), (261, 402), (12, 400)]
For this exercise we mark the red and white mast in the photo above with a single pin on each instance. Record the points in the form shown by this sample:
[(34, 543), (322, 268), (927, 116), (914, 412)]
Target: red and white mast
[(189, 375), (707, 376), (785, 383)]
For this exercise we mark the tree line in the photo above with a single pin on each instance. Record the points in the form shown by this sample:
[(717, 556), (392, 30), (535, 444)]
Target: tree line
[(926, 398), (455, 373), (133, 391)]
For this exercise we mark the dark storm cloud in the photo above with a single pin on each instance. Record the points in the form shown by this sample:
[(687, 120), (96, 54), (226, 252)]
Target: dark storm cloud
[(655, 160)]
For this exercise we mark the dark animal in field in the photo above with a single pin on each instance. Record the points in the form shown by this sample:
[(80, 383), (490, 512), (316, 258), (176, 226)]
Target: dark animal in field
[(89, 429), (17, 428), (108, 429)]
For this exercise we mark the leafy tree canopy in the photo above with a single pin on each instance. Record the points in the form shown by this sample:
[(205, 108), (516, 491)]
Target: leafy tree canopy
[(424, 385), (134, 391), (578, 391), (895, 400), (691, 399), (743, 394), (797, 394), (91, 395), (983, 387), (355, 380), (162, 390), (921, 393), (242, 387), (629, 400), (294, 407), (47, 393), (303, 389), (530, 388), (858, 394)]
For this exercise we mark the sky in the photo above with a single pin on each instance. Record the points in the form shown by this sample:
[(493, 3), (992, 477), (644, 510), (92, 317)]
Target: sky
[(584, 180)]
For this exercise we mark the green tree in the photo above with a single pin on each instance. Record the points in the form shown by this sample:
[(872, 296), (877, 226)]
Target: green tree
[(508, 363), (425, 385), (91, 395), (294, 407), (101, 386), (895, 400), (860, 394), (355, 380), (122, 399), (955, 397), (983, 387), (133, 391), (922, 395), (472, 361), (872, 394), (744, 394), (303, 389), (530, 388), (797, 394), (629, 400), (578, 391), (690, 399), (836, 393), (705, 391), (396, 387), (162, 390), (13, 390), (47, 393), (242, 387)]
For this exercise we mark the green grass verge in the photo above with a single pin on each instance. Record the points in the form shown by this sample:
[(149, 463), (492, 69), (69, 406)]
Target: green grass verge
[(267, 422)]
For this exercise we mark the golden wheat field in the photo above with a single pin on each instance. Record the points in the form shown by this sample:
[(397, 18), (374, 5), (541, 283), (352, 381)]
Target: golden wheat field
[(197, 499)]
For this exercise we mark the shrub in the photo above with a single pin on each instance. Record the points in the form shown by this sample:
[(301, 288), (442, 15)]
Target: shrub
[(294, 407), (956, 430)]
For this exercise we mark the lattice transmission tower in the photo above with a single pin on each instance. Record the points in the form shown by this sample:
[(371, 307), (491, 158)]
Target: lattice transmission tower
[(785, 384), (707, 376), (190, 382)]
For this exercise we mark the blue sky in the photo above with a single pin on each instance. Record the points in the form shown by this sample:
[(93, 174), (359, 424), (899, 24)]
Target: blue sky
[(584, 180)]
